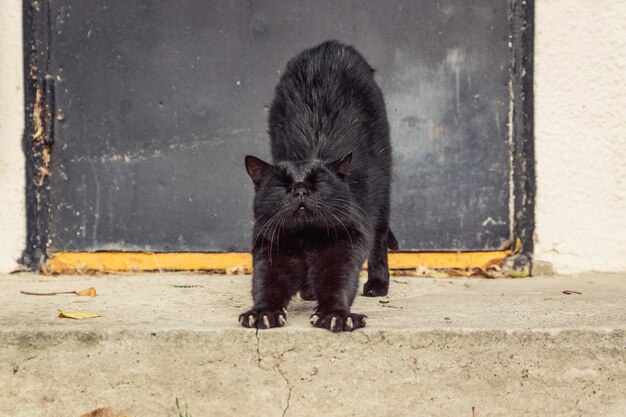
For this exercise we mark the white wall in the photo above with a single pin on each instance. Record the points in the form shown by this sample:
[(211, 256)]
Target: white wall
[(12, 181), (580, 115)]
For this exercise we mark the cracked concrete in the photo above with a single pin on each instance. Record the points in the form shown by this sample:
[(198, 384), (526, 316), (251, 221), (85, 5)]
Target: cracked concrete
[(434, 347), (277, 357), (280, 371)]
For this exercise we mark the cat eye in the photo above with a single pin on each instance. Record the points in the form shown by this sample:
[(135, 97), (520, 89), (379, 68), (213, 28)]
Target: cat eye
[(313, 178), (286, 183)]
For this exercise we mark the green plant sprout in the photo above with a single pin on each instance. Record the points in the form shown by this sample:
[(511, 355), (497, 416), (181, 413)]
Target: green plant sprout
[(180, 412)]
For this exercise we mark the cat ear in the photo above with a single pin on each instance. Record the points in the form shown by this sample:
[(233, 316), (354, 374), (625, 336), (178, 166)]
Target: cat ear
[(342, 165), (256, 168)]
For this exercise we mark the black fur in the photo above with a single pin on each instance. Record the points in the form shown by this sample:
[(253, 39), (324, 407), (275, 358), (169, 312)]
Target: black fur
[(322, 208)]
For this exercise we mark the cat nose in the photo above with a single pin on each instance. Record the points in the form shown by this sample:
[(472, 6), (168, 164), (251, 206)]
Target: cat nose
[(300, 190)]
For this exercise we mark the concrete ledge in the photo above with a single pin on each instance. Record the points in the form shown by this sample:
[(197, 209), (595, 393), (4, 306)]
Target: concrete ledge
[(438, 347)]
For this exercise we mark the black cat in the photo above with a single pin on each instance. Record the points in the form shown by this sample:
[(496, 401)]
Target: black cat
[(322, 209)]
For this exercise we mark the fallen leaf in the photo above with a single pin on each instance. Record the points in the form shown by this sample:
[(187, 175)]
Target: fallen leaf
[(421, 270), (383, 301), (101, 412), (494, 262), (402, 273), (518, 245), (235, 270), (459, 272), (78, 315), (570, 292), (493, 272), (437, 274), (518, 274), (88, 292), (506, 244), (48, 293)]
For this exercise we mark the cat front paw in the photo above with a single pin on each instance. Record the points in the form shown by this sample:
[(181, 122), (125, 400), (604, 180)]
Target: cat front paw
[(338, 321), (263, 319)]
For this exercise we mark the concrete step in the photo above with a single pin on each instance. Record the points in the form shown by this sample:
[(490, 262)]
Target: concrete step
[(436, 347)]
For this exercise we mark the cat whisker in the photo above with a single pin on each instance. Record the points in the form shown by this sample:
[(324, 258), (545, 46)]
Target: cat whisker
[(346, 211), (277, 227), (339, 212), (272, 238), (265, 227), (343, 225), (281, 223), (349, 204), (326, 223)]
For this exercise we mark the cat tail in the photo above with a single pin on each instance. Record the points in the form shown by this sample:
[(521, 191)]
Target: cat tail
[(392, 242)]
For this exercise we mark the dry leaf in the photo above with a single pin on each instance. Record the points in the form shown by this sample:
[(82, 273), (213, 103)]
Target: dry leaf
[(459, 272), (235, 270), (519, 274), (101, 412), (78, 315), (506, 244), (421, 270), (518, 245), (570, 292), (402, 273), (47, 293), (494, 262), (437, 274), (89, 292)]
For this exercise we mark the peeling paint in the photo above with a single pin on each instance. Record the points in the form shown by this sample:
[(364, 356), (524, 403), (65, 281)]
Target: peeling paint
[(491, 222), (38, 116), (42, 150)]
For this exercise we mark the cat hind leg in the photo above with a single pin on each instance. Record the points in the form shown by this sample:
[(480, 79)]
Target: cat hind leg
[(377, 284)]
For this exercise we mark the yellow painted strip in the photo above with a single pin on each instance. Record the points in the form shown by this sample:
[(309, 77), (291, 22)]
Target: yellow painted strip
[(72, 262), (439, 260), (82, 262)]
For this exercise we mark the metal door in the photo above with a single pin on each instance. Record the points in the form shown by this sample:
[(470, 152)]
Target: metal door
[(157, 102)]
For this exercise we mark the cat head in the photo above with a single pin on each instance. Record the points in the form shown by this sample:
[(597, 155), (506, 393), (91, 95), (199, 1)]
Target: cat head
[(300, 195)]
